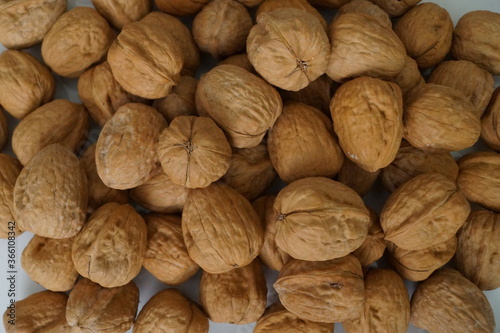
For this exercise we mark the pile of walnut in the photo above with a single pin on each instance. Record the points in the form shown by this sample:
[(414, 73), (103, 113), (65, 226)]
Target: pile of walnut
[(309, 101)]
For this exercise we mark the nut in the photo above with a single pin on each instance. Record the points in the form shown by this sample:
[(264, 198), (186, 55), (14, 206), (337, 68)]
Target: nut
[(373, 247), (490, 123), (318, 94), (367, 7), (271, 5), (240, 60), (121, 12), (409, 77), (396, 7), (357, 178), (9, 171), (181, 7), (180, 101)]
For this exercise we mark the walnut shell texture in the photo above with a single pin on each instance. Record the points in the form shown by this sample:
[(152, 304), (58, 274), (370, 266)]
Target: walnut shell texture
[(121, 12), (9, 171), (373, 247), (490, 123), (396, 7), (181, 7), (357, 178), (318, 94), (367, 7), (409, 77), (271, 5), (240, 60), (180, 101)]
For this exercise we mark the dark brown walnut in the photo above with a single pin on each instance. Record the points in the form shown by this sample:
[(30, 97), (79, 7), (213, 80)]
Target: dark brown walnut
[(4, 130), (250, 171), (242, 104), (121, 12), (362, 46), (171, 311), (126, 149), (387, 306), (471, 80), (449, 303), (367, 7), (478, 250), (236, 297), (318, 94), (25, 83), (439, 118), (270, 5), (180, 101), (490, 123), (221, 229), (329, 3), (278, 319), (194, 152), (373, 247), (477, 38), (181, 7), (92, 308), (24, 23), (79, 39), (396, 7), (357, 178), (48, 262), (368, 105), (51, 194), (9, 171), (240, 60), (167, 257), (320, 219), (479, 178), (425, 211), (322, 291), (289, 48), (411, 162), (409, 77)]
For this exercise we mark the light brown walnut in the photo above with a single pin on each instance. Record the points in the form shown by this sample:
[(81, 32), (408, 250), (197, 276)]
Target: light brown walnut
[(121, 12), (9, 171), (181, 7), (490, 122), (180, 101)]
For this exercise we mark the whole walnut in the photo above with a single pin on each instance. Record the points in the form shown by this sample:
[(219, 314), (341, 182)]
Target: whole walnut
[(396, 7), (373, 247), (289, 48), (24, 23), (25, 83), (9, 171), (271, 5), (357, 178), (121, 12), (181, 7), (367, 7), (409, 77), (79, 39), (180, 101), (490, 122), (318, 94)]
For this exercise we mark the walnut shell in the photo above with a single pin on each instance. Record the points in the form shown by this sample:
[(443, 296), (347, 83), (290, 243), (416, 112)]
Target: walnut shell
[(240, 60), (396, 7), (167, 257), (319, 219), (357, 178), (194, 152), (9, 171), (490, 123), (180, 101), (271, 5), (322, 291), (425, 211), (409, 77), (126, 149), (449, 303), (367, 7), (242, 104), (479, 179), (51, 194), (236, 297), (373, 247), (48, 262), (181, 7), (478, 251), (24, 23), (221, 229), (289, 48), (172, 312), (25, 83), (121, 12)]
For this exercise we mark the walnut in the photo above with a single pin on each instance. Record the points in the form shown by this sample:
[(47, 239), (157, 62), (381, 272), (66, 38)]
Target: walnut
[(373, 247), (490, 123), (367, 7), (318, 94), (9, 171), (240, 60), (181, 7), (357, 178), (121, 12), (180, 101), (396, 7), (271, 5), (409, 77)]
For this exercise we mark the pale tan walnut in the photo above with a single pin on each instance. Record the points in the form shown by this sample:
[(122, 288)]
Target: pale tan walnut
[(357, 178), (329, 3), (278, 319), (250, 3), (181, 7), (411, 162), (24, 23), (25, 83), (396, 7), (126, 149), (121, 12), (479, 179), (367, 7), (47, 261), (240, 60), (271, 5), (449, 303), (439, 118), (477, 38), (110, 248), (92, 308), (373, 247), (490, 122), (368, 105), (322, 291), (171, 311), (387, 306), (9, 171), (471, 80), (4, 130), (194, 151), (302, 144), (221, 229), (270, 253), (236, 297), (146, 61), (51, 194), (362, 46), (79, 39), (242, 104), (289, 48), (320, 219), (167, 257), (478, 252), (409, 77), (180, 101), (425, 211), (101, 94)]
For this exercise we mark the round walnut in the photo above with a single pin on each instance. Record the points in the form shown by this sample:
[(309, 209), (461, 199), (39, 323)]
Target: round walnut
[(180, 101), (194, 152), (322, 291), (425, 211), (181, 7), (490, 123), (24, 23), (79, 39), (221, 229), (221, 28), (357, 178), (121, 12), (367, 7), (236, 297), (271, 5), (373, 247), (318, 94), (242, 104), (9, 171), (409, 77), (289, 48), (396, 7), (320, 219), (302, 144)]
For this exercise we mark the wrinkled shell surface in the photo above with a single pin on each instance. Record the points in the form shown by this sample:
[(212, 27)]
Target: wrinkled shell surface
[(396, 7), (9, 171), (490, 123), (180, 101), (367, 7), (121, 12), (240, 60), (181, 7), (409, 77), (250, 3), (318, 94), (271, 5), (357, 178), (373, 247)]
